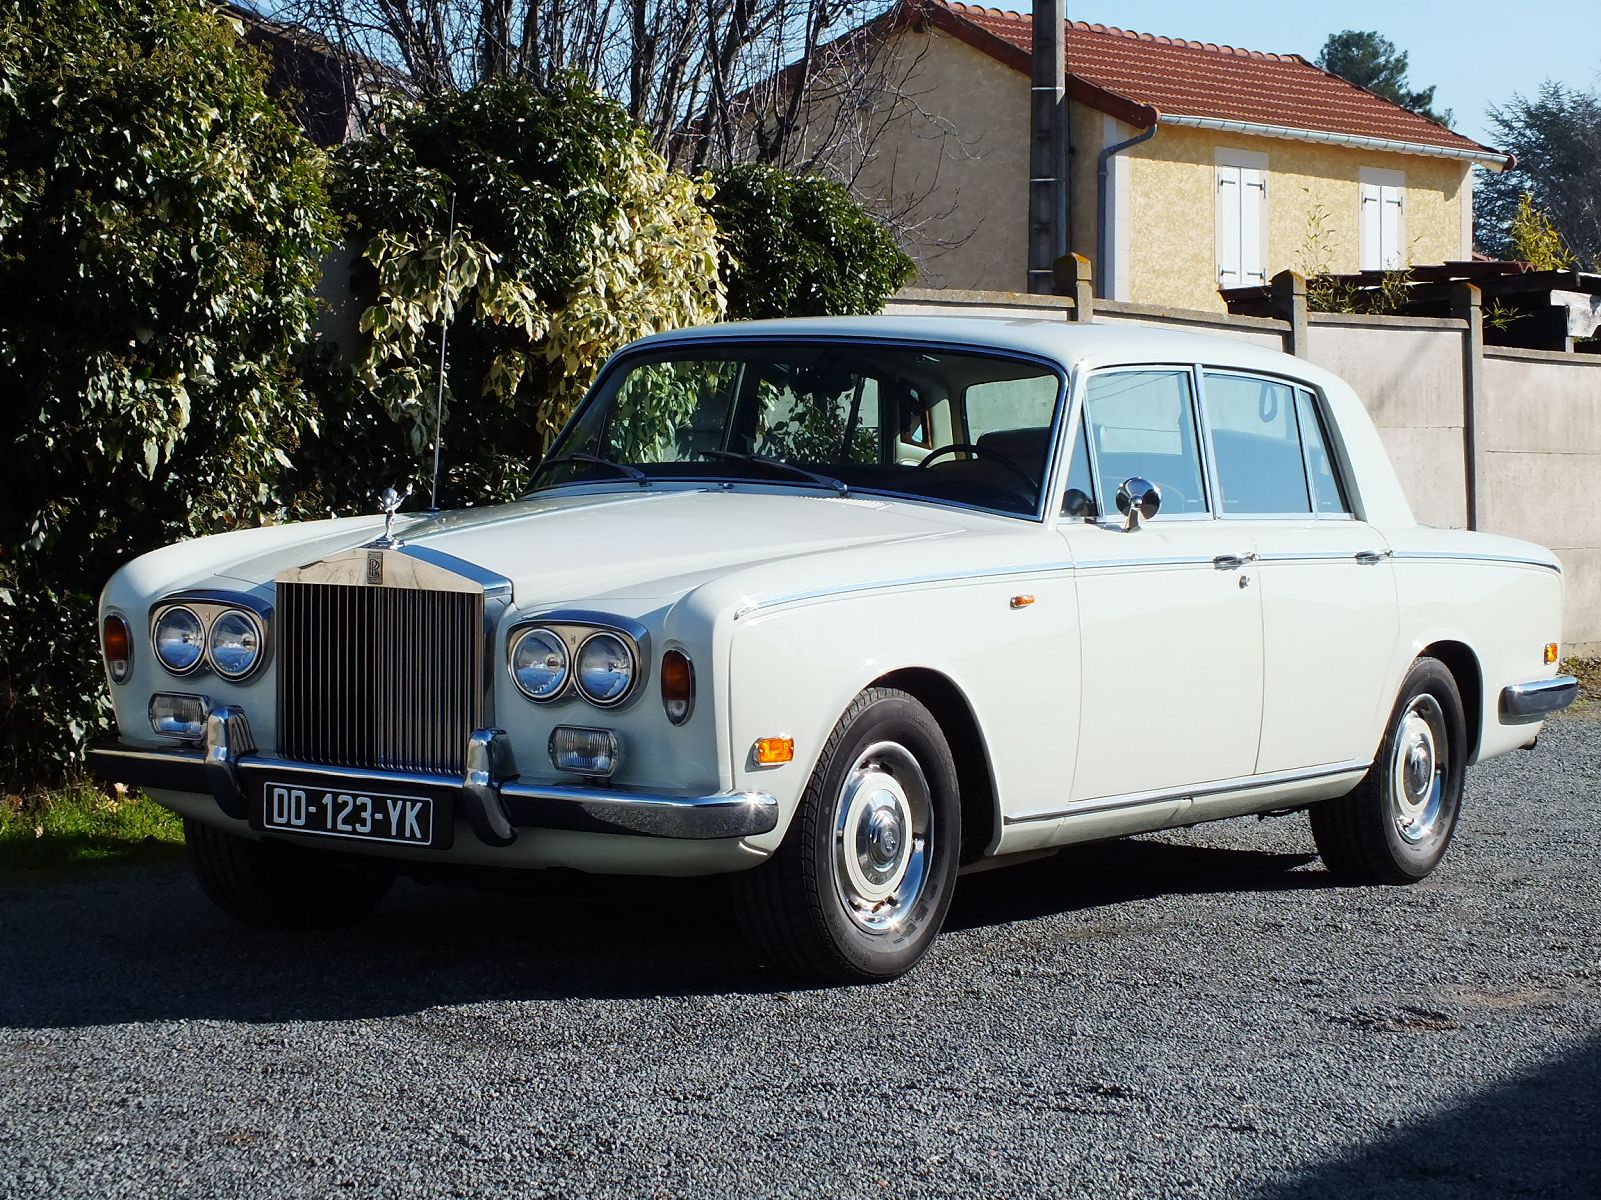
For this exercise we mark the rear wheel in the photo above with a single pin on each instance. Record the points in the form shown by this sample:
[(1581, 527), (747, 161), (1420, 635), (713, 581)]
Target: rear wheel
[(271, 885), (1395, 827), (860, 887)]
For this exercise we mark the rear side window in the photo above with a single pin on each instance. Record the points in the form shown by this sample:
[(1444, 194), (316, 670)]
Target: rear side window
[(1142, 424), (1256, 446)]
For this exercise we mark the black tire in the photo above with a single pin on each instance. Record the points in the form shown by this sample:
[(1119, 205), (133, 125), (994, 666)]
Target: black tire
[(811, 910), (1397, 823), (271, 885)]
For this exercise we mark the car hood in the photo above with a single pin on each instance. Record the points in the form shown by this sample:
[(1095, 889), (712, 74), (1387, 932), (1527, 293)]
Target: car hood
[(563, 548)]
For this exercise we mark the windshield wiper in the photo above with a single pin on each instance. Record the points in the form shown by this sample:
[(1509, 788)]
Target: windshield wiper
[(782, 467), (594, 460)]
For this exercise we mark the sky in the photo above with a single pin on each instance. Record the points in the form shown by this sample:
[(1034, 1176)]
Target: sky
[(1477, 52)]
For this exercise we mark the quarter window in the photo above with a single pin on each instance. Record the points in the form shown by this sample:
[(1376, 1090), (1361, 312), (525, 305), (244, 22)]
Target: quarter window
[(1327, 494), (1142, 423)]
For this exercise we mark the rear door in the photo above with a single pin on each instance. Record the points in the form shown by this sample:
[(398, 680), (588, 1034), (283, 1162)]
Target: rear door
[(1328, 597)]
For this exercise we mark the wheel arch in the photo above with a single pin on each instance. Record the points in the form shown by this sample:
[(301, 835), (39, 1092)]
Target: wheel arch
[(1459, 659), (975, 777)]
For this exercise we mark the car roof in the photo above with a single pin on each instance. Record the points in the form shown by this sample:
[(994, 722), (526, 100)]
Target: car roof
[(1067, 343)]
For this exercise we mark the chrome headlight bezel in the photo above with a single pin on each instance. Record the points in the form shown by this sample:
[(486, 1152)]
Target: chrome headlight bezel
[(256, 627), (515, 642), (575, 629), (630, 685), (207, 608), (161, 614)]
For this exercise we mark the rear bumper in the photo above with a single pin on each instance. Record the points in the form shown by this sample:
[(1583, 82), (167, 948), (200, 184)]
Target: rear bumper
[(489, 795), (1532, 701)]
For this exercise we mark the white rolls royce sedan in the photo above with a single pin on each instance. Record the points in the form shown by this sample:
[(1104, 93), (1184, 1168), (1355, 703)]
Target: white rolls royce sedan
[(841, 608)]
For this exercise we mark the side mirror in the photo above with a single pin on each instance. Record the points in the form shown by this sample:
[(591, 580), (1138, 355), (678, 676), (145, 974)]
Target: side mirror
[(1138, 500)]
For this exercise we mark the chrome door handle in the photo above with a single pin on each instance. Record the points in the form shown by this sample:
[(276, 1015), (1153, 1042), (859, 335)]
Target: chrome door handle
[(1368, 557), (1232, 562)]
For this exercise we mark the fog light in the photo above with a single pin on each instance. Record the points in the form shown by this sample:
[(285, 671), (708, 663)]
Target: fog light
[(585, 751), (178, 716)]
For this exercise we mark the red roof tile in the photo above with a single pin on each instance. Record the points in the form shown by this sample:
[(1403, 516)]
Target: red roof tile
[(1200, 79)]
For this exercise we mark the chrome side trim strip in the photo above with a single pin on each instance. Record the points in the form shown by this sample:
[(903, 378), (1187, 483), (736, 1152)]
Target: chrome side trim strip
[(1460, 556), (1055, 568), (1244, 783), (1522, 702)]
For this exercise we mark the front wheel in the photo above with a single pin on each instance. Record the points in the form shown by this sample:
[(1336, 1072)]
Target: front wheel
[(860, 887), (273, 885), (1396, 825)]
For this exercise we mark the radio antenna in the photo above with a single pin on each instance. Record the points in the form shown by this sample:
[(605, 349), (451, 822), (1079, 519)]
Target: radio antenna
[(444, 341)]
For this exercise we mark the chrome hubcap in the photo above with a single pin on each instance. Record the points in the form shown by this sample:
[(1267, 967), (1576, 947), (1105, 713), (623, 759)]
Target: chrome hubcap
[(1418, 770), (883, 818)]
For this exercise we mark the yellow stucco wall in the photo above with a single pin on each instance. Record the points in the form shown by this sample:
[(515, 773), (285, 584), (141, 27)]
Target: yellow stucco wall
[(1172, 213), (957, 173)]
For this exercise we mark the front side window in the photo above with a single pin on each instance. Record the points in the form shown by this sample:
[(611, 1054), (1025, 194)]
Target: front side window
[(920, 422), (1142, 424)]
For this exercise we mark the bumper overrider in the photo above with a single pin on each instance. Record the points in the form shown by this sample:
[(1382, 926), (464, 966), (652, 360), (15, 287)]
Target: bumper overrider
[(228, 767)]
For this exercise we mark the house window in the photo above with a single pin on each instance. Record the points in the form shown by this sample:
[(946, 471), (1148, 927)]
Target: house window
[(1241, 218), (1383, 219)]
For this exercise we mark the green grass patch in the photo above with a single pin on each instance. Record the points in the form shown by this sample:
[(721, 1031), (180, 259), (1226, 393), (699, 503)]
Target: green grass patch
[(83, 825)]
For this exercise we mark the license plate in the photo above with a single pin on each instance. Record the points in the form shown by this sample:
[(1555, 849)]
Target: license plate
[(342, 813)]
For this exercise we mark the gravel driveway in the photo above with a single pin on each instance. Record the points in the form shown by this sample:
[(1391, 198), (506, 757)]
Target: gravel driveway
[(1201, 1013)]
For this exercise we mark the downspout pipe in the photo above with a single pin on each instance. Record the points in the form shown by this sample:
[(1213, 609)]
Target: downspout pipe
[(1102, 173)]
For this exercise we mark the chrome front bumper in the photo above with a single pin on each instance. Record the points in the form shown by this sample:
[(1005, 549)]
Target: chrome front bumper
[(489, 795), (1532, 701)]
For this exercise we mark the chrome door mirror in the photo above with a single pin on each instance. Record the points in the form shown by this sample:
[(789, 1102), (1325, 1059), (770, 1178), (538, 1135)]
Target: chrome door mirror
[(1138, 500)]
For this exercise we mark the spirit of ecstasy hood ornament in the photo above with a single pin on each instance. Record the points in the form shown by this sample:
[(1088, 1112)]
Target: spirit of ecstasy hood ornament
[(389, 502)]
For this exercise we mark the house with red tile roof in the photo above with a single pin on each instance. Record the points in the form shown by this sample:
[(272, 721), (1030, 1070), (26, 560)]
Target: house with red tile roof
[(1195, 166)]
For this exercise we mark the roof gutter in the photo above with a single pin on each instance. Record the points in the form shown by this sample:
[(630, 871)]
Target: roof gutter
[(1482, 156), (1103, 243)]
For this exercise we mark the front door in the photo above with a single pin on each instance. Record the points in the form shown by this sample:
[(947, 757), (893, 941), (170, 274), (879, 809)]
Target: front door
[(1170, 613)]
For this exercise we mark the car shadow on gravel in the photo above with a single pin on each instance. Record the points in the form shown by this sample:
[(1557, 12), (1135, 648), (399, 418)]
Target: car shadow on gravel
[(144, 944), (1538, 1135)]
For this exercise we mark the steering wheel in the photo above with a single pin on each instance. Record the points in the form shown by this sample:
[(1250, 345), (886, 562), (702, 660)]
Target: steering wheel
[(970, 448)]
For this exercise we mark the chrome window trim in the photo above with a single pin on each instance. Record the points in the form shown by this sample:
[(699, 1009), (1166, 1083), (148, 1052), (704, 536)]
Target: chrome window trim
[(1243, 783), (1042, 509)]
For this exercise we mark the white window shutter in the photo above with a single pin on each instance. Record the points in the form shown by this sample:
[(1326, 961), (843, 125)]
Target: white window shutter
[(1372, 258), (1228, 227), (1391, 228), (1253, 226)]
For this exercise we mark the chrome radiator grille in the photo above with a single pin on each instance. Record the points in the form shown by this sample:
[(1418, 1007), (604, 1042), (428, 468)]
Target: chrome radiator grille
[(382, 677)]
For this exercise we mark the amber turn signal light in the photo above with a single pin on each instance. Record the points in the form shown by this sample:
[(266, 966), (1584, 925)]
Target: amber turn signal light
[(117, 644), (1550, 653), (678, 686), (770, 751)]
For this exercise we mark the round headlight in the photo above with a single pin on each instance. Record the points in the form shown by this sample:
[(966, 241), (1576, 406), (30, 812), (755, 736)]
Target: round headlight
[(539, 664), (605, 669), (235, 644), (180, 640)]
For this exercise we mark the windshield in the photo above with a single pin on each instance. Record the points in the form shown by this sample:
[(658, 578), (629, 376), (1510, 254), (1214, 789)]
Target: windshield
[(955, 427)]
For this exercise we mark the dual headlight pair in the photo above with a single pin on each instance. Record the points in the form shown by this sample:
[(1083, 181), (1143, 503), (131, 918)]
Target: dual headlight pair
[(231, 641), (550, 659)]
